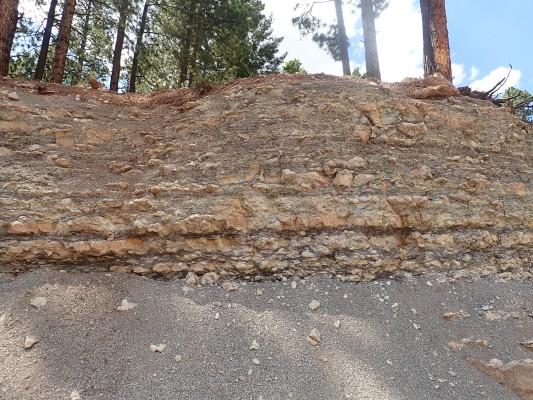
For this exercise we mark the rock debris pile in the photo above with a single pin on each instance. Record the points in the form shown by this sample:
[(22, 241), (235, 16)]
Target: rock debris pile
[(270, 176)]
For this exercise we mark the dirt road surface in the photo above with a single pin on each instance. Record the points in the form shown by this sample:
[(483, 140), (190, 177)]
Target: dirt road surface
[(386, 339)]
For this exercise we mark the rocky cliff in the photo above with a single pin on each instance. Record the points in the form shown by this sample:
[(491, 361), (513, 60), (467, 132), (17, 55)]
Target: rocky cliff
[(278, 175)]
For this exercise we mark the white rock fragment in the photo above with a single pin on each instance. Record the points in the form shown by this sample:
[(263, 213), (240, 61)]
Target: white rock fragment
[(294, 284), (254, 345), (29, 342), (178, 358), (337, 324), (217, 315), (313, 305), (314, 337), (416, 326), (38, 302), (126, 305), (259, 292), (256, 361), (428, 283), (192, 279), (413, 310), (75, 395), (158, 348), (389, 362), (12, 96)]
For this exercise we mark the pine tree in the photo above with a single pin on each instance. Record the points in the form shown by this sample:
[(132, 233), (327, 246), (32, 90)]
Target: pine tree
[(369, 33), (124, 8), (521, 102), (335, 41), (8, 25), (62, 42), (435, 35), (43, 54), (138, 47)]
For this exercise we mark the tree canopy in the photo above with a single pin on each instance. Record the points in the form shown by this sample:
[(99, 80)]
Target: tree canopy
[(166, 43)]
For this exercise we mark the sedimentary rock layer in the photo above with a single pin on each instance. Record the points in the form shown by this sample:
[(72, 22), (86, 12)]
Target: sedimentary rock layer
[(265, 176)]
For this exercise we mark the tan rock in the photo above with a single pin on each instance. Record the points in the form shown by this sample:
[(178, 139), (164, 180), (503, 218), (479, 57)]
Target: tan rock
[(162, 268), (343, 178), (210, 278), (4, 151), (515, 375), (63, 163), (433, 92), (436, 79)]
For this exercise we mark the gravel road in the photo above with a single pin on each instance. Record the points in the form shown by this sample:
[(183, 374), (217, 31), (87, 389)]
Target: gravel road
[(386, 339)]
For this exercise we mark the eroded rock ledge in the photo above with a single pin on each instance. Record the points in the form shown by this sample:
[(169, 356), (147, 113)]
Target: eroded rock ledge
[(268, 176)]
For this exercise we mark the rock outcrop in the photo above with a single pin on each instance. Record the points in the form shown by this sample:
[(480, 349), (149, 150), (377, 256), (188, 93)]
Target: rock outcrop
[(278, 175)]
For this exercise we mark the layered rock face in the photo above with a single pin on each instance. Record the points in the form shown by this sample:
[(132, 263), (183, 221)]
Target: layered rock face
[(269, 176)]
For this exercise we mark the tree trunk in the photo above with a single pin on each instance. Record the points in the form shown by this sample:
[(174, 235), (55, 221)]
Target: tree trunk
[(369, 35), (8, 26), (435, 34), (138, 47), (185, 47), (343, 39), (63, 38), (117, 52), (43, 54), (83, 45)]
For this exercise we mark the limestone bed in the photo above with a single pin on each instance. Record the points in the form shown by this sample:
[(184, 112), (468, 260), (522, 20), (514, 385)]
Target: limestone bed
[(264, 177)]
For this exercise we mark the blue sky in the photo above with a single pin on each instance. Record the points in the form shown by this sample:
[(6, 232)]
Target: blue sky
[(485, 37)]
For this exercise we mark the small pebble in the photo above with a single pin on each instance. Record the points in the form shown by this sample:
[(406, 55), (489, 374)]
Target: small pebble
[(254, 346), (38, 302), (314, 337), (255, 361), (126, 305), (29, 342), (313, 305), (229, 286), (75, 395), (178, 358), (157, 348)]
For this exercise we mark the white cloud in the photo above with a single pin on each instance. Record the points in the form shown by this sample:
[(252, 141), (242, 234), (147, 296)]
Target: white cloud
[(473, 73), (399, 36), (400, 41), (494, 76), (314, 59), (458, 73)]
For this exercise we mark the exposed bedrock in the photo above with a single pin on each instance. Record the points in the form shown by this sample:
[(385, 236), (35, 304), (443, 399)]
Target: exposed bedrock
[(267, 176)]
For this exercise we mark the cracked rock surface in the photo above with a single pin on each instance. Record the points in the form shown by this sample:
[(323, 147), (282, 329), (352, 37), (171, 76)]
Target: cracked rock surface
[(270, 176)]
